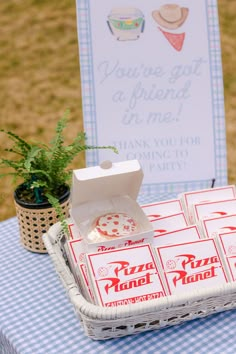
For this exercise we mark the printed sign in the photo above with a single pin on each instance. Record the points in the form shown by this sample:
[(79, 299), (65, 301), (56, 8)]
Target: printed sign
[(152, 86)]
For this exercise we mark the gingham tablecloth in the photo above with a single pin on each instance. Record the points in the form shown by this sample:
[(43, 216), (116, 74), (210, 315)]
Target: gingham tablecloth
[(36, 316)]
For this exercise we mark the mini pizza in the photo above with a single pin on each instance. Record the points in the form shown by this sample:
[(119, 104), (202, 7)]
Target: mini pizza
[(113, 225)]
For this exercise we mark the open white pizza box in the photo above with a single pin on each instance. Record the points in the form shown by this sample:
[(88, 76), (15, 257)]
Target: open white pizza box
[(109, 189)]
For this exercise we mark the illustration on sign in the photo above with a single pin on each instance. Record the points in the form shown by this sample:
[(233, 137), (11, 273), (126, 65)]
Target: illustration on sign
[(171, 17), (126, 23)]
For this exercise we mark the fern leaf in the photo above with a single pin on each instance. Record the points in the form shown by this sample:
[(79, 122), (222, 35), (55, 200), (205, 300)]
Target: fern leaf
[(20, 143), (33, 152), (58, 141), (14, 151), (13, 164)]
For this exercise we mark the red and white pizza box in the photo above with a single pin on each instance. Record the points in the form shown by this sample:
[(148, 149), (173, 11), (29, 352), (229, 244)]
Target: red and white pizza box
[(205, 195), (213, 209), (77, 251), (191, 266), (125, 276), (186, 234), (74, 231), (169, 223), (104, 205), (76, 256), (85, 286), (159, 209), (212, 226), (227, 242)]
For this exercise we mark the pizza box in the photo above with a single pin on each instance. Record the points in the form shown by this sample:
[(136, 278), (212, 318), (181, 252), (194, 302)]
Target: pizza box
[(205, 195), (104, 206), (169, 223), (213, 209), (191, 266), (158, 209), (82, 271), (73, 231), (186, 234), (75, 252), (227, 243), (125, 276), (212, 226)]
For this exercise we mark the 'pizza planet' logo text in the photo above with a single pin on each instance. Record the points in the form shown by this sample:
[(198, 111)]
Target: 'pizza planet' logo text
[(123, 268), (190, 262)]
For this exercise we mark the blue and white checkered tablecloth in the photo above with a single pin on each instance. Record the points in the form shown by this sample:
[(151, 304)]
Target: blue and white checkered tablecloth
[(36, 316)]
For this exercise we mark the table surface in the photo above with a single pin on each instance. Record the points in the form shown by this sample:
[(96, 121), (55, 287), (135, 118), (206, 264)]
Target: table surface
[(36, 316)]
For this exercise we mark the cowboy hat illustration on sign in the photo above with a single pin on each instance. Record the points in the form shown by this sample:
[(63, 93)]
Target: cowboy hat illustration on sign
[(171, 17), (126, 23)]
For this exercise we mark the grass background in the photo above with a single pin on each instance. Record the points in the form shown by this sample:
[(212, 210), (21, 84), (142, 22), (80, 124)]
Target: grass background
[(40, 77)]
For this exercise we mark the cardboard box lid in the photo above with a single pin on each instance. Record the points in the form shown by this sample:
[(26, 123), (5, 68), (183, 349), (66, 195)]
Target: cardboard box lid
[(105, 181)]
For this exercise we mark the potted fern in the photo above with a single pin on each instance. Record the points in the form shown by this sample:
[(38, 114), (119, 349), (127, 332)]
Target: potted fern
[(42, 197)]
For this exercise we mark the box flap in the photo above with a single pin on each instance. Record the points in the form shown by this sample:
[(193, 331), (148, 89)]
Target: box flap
[(106, 181)]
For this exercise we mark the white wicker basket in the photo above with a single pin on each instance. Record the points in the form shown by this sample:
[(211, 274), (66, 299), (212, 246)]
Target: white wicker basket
[(104, 323)]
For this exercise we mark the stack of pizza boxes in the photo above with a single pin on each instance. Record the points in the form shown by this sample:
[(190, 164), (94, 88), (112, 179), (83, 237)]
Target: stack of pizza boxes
[(208, 261), (122, 253), (215, 211), (211, 209), (186, 260), (110, 222)]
